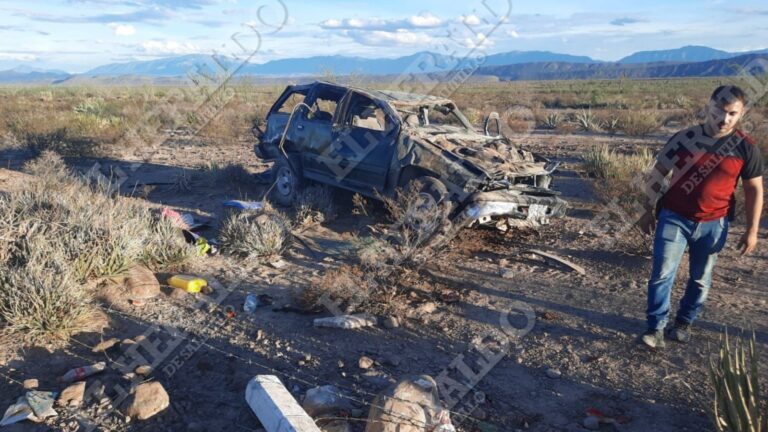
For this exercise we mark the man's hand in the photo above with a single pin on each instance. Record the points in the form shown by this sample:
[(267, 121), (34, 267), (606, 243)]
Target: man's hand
[(747, 243), (647, 222)]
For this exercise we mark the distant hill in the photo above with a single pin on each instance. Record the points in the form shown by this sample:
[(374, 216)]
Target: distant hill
[(339, 65), (23, 74), (567, 71), (686, 54)]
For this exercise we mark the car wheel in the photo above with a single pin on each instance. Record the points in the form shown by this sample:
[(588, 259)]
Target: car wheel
[(287, 184), (431, 198)]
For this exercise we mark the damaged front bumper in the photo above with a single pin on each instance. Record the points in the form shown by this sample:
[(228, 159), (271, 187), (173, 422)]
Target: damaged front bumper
[(515, 207)]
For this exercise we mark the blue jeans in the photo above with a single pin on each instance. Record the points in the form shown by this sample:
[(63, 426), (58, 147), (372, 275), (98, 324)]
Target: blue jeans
[(704, 240)]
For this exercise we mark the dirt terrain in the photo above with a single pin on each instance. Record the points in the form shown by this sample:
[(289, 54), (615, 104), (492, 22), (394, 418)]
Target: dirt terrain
[(581, 352)]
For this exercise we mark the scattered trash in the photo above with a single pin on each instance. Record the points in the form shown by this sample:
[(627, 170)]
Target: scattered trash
[(346, 321), (190, 284), (34, 405), (203, 245), (79, 373), (598, 416), (185, 221), (230, 314), (575, 267), (251, 303), (244, 205)]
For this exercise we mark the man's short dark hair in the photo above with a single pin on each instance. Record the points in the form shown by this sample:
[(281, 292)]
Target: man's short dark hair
[(728, 94)]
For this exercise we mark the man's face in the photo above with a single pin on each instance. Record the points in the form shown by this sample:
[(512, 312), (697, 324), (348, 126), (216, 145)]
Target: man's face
[(722, 119)]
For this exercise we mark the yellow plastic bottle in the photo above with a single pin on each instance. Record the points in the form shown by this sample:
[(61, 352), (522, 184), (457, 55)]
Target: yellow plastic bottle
[(190, 284)]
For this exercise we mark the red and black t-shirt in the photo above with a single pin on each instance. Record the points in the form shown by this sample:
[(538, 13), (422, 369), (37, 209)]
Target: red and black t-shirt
[(705, 172)]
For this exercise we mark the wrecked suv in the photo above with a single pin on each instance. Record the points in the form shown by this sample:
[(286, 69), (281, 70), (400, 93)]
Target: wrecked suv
[(375, 142)]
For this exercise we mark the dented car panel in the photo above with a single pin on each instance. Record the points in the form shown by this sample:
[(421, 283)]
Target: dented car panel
[(375, 142)]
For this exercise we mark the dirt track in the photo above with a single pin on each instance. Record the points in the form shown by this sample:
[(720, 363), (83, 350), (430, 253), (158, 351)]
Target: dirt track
[(585, 327)]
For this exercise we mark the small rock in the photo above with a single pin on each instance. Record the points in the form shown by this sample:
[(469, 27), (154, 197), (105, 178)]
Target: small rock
[(507, 274), (279, 264), (178, 294), (323, 400), (427, 308), (259, 334), (143, 370), (141, 283), (31, 384), (392, 360), (591, 423), (365, 362), (346, 321), (72, 396), (105, 345), (147, 400), (391, 322), (553, 373), (340, 364)]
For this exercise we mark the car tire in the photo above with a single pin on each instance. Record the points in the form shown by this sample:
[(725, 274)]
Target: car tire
[(287, 183), (432, 194)]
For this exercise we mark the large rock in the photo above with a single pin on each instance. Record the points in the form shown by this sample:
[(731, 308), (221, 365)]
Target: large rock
[(411, 405), (141, 283), (147, 400), (323, 400)]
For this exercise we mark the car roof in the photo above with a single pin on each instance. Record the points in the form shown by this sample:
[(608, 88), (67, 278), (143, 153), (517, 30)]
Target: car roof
[(396, 98)]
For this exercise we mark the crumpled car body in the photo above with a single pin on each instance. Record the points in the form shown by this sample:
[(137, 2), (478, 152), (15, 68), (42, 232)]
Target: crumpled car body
[(374, 142)]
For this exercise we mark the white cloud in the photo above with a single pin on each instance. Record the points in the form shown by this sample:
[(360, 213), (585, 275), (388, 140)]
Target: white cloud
[(18, 57), (168, 47), (471, 20), (385, 38), (513, 33), (123, 29), (422, 21), (480, 40)]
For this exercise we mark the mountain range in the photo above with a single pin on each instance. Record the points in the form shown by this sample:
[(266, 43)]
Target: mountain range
[(685, 61)]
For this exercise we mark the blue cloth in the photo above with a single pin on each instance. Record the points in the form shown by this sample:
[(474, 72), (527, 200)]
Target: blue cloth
[(673, 234)]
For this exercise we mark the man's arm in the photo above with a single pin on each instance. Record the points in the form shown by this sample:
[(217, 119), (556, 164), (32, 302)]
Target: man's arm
[(753, 199), (647, 221)]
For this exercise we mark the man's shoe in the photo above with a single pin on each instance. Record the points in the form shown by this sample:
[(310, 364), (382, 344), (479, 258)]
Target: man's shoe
[(653, 338), (680, 332)]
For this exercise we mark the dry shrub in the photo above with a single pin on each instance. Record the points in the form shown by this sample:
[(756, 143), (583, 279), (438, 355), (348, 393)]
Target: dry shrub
[(228, 174), (345, 289), (60, 233), (640, 123), (619, 180), (314, 205), (256, 234)]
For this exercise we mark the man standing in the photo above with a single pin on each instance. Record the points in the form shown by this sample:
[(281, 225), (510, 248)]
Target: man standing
[(706, 162)]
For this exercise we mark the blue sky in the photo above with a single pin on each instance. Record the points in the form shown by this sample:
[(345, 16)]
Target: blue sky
[(76, 35)]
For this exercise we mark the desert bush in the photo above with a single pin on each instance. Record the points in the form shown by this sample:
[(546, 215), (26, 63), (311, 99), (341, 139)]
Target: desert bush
[(59, 233), (619, 180), (313, 205), (346, 289), (734, 376), (40, 302), (587, 121), (640, 123), (256, 234), (552, 121)]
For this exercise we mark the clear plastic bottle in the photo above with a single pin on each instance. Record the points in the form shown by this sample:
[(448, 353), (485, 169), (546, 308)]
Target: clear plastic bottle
[(251, 303)]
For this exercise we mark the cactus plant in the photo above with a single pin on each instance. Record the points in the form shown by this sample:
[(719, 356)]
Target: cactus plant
[(736, 405)]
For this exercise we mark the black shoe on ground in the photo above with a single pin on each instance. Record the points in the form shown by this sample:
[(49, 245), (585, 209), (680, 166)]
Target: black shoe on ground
[(680, 332), (653, 338)]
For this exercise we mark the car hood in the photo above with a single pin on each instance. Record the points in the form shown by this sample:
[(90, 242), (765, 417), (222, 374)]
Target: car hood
[(497, 156)]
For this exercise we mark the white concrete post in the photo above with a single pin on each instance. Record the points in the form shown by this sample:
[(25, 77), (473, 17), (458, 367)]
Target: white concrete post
[(277, 410)]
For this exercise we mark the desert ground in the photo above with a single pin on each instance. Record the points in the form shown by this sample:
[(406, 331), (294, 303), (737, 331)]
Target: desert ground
[(581, 352)]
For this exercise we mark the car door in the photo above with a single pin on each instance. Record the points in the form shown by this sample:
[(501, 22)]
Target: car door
[(364, 140), (313, 130)]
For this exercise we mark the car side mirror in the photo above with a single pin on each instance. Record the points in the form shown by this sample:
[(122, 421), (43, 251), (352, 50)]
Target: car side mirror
[(492, 117)]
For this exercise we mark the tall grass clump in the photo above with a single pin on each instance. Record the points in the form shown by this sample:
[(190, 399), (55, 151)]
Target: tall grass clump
[(256, 234), (640, 123), (59, 234), (734, 376), (619, 183)]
